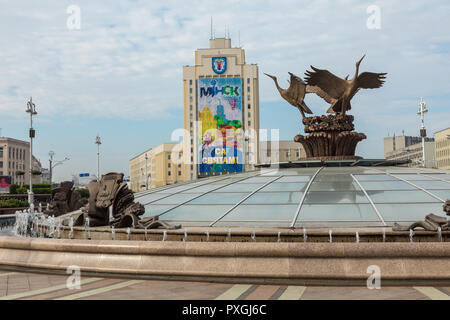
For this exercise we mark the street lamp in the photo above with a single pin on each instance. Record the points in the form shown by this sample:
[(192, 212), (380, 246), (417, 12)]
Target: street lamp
[(146, 173), (31, 109), (51, 154), (423, 132), (98, 143)]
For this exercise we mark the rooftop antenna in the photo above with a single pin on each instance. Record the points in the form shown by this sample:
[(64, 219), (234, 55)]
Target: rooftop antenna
[(211, 36)]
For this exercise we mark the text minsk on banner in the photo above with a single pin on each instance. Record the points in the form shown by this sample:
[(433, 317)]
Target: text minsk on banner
[(220, 125)]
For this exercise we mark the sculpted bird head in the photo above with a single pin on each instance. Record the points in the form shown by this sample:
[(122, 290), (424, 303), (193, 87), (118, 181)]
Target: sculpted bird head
[(359, 62), (270, 76)]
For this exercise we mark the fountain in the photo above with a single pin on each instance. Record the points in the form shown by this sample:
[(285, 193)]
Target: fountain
[(164, 238), (228, 239), (357, 237), (305, 237), (253, 236), (87, 230), (113, 233), (207, 235), (71, 227), (128, 231), (279, 236), (330, 233), (411, 235)]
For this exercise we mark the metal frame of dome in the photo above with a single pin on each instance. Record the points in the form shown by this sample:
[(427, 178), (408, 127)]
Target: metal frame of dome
[(294, 196)]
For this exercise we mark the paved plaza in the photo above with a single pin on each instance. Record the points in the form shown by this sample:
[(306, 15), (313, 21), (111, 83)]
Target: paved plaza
[(31, 286)]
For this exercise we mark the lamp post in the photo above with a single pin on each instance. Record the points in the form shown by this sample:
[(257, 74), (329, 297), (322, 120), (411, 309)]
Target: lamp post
[(51, 154), (31, 109), (146, 173), (423, 132), (98, 143)]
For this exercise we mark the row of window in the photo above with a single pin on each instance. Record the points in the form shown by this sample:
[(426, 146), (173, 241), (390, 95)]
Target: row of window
[(13, 153)]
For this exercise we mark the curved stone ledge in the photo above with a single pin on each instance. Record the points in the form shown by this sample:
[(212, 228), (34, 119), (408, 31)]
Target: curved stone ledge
[(283, 263)]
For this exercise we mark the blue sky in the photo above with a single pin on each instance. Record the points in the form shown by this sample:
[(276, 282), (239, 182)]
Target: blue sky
[(120, 75)]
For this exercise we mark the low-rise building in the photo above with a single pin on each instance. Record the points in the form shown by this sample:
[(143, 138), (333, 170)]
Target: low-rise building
[(280, 151), (158, 167), (442, 149), (15, 160), (410, 148)]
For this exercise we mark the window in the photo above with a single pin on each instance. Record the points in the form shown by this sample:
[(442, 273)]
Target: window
[(168, 173), (248, 80), (190, 82), (249, 115), (190, 107), (1, 152), (179, 173), (190, 90), (249, 123), (1, 164), (168, 165), (249, 106)]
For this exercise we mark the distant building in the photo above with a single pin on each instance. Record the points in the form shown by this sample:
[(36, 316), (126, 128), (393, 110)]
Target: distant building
[(221, 92), (164, 166), (286, 151), (442, 151), (15, 160), (410, 148), (37, 171)]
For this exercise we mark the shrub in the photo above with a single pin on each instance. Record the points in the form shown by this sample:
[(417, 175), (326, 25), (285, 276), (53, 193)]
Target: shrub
[(22, 190), (13, 203), (84, 193), (13, 188)]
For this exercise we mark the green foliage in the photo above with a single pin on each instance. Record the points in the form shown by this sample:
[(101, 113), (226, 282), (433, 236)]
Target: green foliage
[(38, 188), (13, 203), (13, 188), (84, 193)]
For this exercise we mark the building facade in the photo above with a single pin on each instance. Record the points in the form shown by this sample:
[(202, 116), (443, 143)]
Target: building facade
[(410, 148), (281, 151), (442, 149), (15, 160), (221, 111), (163, 166)]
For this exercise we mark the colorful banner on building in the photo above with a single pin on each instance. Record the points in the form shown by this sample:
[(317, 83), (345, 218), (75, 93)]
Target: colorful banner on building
[(220, 125), (5, 182)]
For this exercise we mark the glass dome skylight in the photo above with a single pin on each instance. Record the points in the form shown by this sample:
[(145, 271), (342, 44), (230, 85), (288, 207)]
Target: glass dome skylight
[(303, 197)]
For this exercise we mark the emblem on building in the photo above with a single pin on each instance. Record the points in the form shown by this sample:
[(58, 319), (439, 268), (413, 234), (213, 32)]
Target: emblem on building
[(219, 64)]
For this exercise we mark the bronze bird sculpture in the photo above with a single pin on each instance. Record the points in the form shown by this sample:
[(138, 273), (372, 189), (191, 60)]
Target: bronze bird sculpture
[(295, 93), (338, 92)]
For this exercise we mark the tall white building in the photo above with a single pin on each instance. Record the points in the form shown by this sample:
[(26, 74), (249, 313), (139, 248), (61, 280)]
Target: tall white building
[(221, 111)]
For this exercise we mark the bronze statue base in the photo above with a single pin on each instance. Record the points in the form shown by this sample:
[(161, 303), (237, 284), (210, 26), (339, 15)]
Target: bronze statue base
[(330, 138), (332, 158)]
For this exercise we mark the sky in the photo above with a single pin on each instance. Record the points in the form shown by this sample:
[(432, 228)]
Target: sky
[(119, 74)]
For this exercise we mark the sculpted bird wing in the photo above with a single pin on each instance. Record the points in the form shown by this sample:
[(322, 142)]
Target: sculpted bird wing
[(332, 85), (370, 80), (296, 90), (320, 93)]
